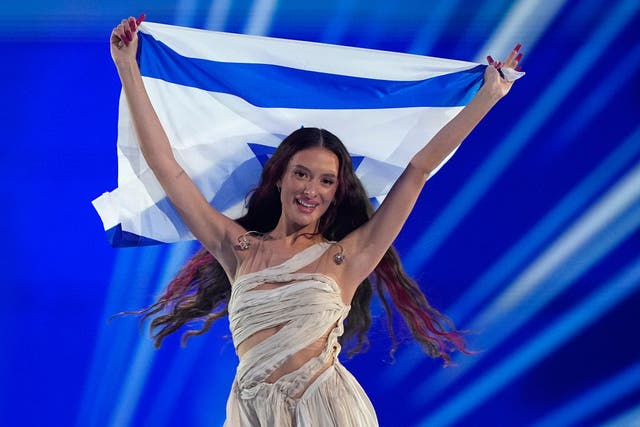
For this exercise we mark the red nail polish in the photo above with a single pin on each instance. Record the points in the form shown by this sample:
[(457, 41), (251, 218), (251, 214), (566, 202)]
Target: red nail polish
[(519, 57), (490, 59), (132, 25), (517, 48), (518, 68), (141, 18)]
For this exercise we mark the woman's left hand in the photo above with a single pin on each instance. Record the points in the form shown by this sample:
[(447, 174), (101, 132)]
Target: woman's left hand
[(494, 82), (124, 40)]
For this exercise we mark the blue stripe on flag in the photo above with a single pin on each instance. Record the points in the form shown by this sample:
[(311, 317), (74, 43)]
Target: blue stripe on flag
[(274, 86), (118, 238), (264, 152)]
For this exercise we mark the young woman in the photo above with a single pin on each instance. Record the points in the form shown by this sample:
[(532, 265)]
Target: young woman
[(307, 254)]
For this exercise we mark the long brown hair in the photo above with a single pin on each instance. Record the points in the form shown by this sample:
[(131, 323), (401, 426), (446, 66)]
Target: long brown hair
[(201, 289)]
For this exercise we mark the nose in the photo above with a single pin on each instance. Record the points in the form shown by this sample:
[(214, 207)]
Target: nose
[(309, 190)]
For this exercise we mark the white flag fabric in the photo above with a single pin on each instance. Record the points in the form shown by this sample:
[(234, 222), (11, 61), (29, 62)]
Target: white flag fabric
[(227, 100)]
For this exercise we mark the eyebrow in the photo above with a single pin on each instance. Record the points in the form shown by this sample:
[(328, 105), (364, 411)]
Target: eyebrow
[(330, 174)]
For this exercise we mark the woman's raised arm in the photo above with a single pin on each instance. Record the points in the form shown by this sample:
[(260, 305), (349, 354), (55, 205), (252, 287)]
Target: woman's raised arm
[(368, 243), (214, 230)]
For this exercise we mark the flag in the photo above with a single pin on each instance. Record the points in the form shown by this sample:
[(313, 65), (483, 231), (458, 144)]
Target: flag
[(227, 100)]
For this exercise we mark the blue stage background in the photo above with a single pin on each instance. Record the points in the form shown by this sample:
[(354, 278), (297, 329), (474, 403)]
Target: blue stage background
[(529, 236)]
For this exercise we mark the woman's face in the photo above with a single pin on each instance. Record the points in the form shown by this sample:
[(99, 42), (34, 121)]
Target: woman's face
[(308, 186)]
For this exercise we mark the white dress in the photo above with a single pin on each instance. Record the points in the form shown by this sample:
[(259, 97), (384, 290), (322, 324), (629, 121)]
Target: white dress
[(303, 308)]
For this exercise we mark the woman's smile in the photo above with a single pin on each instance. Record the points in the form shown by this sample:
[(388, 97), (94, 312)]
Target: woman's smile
[(305, 206), (308, 186)]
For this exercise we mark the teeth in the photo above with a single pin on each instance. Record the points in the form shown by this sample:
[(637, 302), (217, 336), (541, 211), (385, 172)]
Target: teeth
[(306, 205)]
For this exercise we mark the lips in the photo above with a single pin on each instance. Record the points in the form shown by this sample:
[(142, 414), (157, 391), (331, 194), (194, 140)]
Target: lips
[(305, 206)]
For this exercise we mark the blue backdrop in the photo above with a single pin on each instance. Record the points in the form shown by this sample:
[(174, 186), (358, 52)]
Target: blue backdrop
[(529, 237)]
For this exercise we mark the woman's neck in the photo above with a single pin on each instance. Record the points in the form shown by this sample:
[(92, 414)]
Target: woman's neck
[(289, 233)]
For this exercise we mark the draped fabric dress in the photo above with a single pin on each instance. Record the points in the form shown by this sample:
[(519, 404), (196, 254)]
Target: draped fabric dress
[(299, 310)]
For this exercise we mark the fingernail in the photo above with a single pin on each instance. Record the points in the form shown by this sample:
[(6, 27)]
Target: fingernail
[(519, 57), (127, 35), (132, 25), (490, 59), (141, 18), (517, 48), (518, 68)]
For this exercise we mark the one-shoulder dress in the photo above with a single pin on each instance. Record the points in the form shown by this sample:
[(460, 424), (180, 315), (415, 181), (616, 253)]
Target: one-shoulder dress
[(303, 308)]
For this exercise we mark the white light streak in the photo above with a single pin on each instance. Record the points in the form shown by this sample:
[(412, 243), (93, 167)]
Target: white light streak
[(525, 23), (589, 310), (185, 11), (617, 200), (218, 14), (260, 17), (144, 353)]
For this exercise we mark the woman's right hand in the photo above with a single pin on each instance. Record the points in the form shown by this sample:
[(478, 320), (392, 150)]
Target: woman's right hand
[(215, 231), (124, 40), (494, 81)]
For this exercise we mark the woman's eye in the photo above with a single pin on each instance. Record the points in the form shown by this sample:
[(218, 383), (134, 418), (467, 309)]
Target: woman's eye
[(300, 174), (328, 182)]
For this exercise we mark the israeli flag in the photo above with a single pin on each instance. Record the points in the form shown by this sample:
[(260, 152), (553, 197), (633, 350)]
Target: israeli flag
[(227, 100)]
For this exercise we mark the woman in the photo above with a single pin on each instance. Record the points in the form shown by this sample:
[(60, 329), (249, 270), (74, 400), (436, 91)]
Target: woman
[(290, 270)]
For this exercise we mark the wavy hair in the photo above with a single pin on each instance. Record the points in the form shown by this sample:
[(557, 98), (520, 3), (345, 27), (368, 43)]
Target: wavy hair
[(201, 290)]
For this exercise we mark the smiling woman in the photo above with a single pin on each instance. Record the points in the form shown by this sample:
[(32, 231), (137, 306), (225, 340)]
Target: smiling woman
[(296, 273), (296, 284), (309, 185)]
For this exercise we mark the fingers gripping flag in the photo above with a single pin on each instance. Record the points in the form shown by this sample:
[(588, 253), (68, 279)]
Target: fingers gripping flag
[(227, 100)]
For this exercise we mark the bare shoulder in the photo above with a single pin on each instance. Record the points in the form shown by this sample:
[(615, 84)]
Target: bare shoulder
[(227, 251), (342, 263), (238, 253)]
